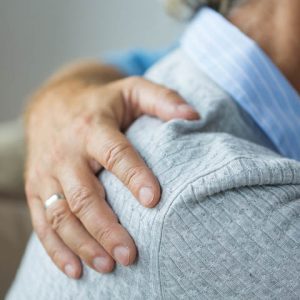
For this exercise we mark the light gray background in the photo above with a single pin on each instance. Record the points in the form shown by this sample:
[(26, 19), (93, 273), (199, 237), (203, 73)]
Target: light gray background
[(38, 36)]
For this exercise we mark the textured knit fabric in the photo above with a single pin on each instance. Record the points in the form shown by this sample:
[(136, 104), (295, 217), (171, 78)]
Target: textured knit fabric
[(227, 226)]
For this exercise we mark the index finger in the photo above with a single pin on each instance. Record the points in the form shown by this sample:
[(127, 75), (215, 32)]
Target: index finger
[(115, 153), (86, 199)]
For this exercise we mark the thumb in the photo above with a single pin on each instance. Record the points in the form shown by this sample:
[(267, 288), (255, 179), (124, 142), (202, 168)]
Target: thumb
[(156, 100)]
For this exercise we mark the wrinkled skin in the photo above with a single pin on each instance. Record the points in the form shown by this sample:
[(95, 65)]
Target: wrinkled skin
[(74, 129)]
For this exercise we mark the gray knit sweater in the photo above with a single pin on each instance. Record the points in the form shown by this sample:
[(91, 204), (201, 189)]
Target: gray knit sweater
[(227, 226)]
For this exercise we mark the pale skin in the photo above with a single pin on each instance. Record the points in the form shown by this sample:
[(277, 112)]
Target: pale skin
[(74, 128)]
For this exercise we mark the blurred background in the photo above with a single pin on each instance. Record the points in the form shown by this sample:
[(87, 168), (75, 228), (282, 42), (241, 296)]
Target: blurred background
[(37, 37)]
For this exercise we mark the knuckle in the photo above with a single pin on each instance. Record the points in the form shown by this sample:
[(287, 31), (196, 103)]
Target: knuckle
[(167, 93), (81, 125), (32, 179), (41, 231), (59, 214), (114, 154), (81, 249), (131, 174), (79, 200), (55, 255), (29, 189), (86, 250), (105, 234), (129, 87), (57, 156)]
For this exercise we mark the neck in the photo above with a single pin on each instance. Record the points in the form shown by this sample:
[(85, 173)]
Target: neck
[(275, 26)]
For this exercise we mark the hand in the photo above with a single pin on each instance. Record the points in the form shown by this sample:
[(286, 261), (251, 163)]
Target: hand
[(74, 130)]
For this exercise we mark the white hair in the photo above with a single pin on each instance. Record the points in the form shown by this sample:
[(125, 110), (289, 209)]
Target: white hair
[(185, 9)]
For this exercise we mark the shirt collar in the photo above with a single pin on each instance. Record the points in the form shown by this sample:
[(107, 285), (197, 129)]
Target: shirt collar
[(239, 66)]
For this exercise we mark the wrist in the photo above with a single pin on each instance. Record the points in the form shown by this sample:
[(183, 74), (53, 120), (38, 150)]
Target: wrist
[(68, 83)]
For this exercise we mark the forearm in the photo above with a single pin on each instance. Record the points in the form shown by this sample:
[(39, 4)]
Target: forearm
[(73, 78)]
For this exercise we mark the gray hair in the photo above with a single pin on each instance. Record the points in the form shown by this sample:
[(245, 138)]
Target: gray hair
[(185, 9)]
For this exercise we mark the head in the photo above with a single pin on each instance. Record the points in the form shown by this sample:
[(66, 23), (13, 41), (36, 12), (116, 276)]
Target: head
[(185, 9)]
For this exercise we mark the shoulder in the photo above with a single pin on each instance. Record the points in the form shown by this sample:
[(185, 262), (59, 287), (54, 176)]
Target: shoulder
[(226, 202), (229, 226), (182, 152)]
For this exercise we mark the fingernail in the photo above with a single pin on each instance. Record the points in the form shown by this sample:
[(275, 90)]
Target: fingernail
[(184, 108), (70, 271), (146, 195), (102, 264), (121, 254)]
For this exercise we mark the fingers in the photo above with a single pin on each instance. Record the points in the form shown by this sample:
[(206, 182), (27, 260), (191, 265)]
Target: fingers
[(86, 201), (60, 254), (84, 226), (117, 155), (157, 100), (72, 232)]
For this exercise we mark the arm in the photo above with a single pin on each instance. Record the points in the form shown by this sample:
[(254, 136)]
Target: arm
[(74, 127)]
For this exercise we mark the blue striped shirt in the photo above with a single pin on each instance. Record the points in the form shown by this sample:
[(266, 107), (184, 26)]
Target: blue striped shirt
[(239, 66)]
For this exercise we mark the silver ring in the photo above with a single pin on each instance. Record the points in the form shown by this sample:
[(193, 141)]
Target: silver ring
[(54, 198)]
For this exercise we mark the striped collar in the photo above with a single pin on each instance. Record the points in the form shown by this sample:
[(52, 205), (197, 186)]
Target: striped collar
[(239, 66)]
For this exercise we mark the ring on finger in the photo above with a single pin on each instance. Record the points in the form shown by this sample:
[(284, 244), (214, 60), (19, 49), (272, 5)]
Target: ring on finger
[(54, 198)]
